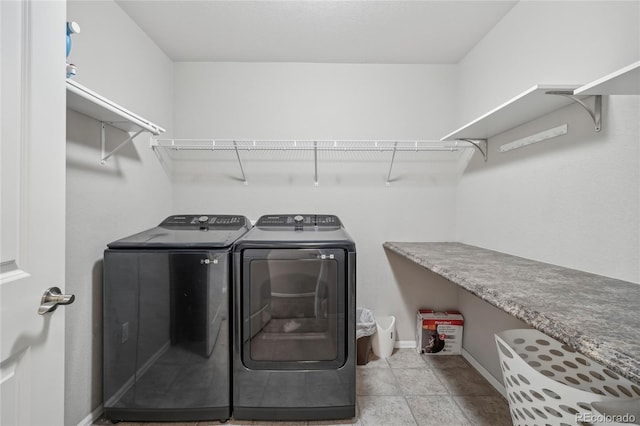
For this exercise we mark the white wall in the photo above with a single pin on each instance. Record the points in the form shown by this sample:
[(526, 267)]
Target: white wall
[(322, 101), (546, 42), (129, 193), (573, 200), (330, 101)]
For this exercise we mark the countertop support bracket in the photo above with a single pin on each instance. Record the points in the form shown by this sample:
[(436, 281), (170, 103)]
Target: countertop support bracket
[(103, 141), (244, 177), (595, 113), (480, 144)]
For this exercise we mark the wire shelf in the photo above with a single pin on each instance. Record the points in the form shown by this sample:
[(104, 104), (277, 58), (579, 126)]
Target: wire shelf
[(310, 145), (314, 148)]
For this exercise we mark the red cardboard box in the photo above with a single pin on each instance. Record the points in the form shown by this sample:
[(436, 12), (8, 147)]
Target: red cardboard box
[(439, 333)]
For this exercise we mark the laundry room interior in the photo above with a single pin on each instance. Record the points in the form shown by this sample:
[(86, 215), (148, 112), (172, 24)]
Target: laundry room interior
[(352, 109)]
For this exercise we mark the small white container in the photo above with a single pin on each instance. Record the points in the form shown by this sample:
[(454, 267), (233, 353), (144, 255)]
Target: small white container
[(384, 339)]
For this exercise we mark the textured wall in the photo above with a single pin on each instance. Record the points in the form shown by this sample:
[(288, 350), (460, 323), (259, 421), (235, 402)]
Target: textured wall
[(327, 101), (572, 200), (129, 193)]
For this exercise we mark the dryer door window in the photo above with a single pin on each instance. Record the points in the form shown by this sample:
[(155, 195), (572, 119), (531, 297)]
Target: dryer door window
[(294, 307)]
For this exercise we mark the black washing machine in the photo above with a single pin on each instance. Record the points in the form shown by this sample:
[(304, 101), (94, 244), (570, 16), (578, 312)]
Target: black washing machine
[(294, 296), (166, 320)]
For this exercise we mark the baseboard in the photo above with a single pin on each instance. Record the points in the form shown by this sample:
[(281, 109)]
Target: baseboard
[(405, 344), (92, 417), (484, 373)]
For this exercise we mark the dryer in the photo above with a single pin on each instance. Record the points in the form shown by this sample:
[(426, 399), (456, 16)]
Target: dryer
[(166, 353), (294, 354)]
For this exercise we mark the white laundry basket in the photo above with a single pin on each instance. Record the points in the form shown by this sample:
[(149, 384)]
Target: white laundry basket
[(384, 339), (550, 383)]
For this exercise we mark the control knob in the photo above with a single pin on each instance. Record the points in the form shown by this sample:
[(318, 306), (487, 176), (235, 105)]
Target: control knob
[(298, 219), (203, 219)]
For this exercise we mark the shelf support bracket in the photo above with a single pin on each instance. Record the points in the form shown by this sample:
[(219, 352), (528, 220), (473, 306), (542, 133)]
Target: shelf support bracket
[(595, 113), (393, 157), (315, 161), (244, 177), (480, 144), (103, 142)]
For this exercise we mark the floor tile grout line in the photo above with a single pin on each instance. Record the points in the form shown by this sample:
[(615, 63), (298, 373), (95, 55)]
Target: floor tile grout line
[(415, 419), (405, 396), (462, 410), (437, 371), (439, 376)]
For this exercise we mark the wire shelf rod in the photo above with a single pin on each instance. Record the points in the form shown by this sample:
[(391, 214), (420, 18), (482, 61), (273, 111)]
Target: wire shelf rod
[(309, 145)]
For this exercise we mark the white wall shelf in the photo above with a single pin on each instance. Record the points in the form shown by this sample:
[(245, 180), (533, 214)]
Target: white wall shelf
[(308, 145), (625, 81), (532, 103), (528, 105), (543, 99), (238, 146), (90, 103)]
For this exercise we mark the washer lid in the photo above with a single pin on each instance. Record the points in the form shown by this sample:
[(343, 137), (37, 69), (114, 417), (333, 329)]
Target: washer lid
[(202, 221), (188, 231), (296, 231)]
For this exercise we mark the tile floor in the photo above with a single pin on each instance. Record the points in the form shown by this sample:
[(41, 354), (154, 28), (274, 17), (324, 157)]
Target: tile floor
[(411, 389)]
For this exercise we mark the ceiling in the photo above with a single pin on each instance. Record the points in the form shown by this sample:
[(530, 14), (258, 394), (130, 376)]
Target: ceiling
[(364, 31)]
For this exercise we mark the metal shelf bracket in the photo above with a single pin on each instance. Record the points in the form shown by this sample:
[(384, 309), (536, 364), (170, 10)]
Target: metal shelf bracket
[(244, 178), (480, 144), (595, 113), (103, 141), (393, 157), (315, 161)]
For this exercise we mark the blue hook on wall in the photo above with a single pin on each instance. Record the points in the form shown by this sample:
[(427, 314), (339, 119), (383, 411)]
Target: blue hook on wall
[(72, 28)]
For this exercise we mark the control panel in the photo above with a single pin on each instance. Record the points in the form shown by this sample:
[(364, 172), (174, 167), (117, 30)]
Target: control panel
[(299, 221), (204, 221)]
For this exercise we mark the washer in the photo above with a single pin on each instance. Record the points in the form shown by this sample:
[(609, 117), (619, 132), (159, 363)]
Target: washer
[(166, 353), (294, 354)]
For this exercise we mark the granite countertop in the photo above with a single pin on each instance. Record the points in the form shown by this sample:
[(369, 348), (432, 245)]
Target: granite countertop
[(596, 315)]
